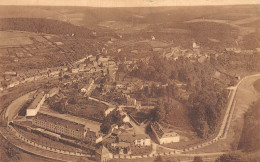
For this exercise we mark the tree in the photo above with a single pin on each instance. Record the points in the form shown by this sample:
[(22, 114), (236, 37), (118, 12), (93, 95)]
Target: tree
[(158, 159), (160, 111), (12, 152), (197, 159), (229, 158)]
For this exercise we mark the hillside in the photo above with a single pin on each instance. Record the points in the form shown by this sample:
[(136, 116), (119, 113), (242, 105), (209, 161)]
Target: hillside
[(47, 26)]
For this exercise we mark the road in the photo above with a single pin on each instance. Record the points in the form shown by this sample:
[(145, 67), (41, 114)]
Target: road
[(13, 109)]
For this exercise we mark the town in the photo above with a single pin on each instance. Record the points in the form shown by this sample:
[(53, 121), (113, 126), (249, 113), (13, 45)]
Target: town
[(121, 90)]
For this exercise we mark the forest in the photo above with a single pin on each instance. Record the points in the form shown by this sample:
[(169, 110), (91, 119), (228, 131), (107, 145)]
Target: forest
[(206, 101)]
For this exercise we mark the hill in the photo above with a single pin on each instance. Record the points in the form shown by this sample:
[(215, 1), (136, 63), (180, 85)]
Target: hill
[(40, 25)]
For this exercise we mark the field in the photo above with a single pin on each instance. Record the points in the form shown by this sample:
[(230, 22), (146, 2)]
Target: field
[(13, 38), (250, 138), (222, 26), (257, 85)]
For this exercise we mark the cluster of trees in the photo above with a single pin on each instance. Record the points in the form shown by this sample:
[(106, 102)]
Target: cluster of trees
[(161, 70), (206, 101), (12, 153), (112, 118), (238, 62), (205, 108)]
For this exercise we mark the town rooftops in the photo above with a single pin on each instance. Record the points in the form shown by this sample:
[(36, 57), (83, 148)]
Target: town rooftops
[(37, 100), (73, 121)]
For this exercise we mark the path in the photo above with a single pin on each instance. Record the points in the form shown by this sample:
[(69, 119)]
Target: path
[(13, 109)]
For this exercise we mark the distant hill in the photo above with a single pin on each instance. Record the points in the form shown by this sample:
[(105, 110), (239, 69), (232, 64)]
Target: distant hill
[(40, 25)]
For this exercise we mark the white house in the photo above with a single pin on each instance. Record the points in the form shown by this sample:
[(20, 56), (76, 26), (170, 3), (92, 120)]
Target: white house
[(169, 137), (163, 137), (126, 118), (142, 140)]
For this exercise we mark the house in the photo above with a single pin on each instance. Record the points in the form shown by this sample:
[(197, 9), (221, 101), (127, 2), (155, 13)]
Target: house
[(119, 86), (138, 104), (135, 139), (164, 137), (130, 101), (54, 72), (126, 118), (235, 50), (11, 73), (195, 46), (103, 155), (82, 67), (115, 132), (170, 137), (34, 107), (87, 87), (75, 70), (142, 140), (109, 110), (202, 59), (123, 147), (92, 58)]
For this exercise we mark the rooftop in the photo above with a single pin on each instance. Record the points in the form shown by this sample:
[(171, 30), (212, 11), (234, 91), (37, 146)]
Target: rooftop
[(37, 100), (130, 137), (169, 134), (73, 121)]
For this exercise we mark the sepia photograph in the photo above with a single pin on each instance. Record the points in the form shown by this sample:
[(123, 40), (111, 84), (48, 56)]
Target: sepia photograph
[(129, 80)]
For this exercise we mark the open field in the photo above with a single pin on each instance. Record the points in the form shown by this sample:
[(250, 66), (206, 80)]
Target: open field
[(14, 38), (250, 138), (257, 85)]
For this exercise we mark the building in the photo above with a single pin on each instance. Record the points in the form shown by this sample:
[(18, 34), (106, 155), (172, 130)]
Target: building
[(126, 118), (195, 46), (130, 101), (11, 73), (33, 109), (103, 155), (109, 110), (68, 125), (135, 139), (87, 89), (163, 137), (52, 92), (142, 140)]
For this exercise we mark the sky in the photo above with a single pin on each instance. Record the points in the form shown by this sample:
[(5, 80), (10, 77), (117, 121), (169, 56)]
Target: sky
[(126, 3)]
